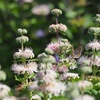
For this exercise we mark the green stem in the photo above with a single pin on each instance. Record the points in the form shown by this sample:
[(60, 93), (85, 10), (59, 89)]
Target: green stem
[(57, 33), (94, 70), (22, 46)]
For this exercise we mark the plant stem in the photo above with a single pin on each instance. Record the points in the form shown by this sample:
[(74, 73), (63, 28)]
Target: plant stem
[(22, 47), (57, 33)]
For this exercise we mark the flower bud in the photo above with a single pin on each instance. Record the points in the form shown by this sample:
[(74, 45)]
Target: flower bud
[(97, 18), (2, 75), (86, 69), (56, 12), (43, 58), (62, 28), (94, 30), (49, 51), (53, 28), (22, 39), (22, 31)]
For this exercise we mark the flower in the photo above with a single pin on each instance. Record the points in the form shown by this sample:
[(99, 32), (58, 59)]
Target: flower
[(2, 75), (94, 30), (84, 60), (33, 85), (41, 10), (56, 12), (54, 46), (22, 39), (83, 84), (62, 69), (22, 69), (35, 97), (4, 90), (97, 18), (54, 87), (47, 75), (40, 33), (61, 28), (27, 53), (69, 75), (95, 45), (85, 97), (95, 61), (10, 98)]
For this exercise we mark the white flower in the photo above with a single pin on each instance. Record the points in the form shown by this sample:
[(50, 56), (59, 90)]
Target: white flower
[(95, 45), (74, 75), (41, 10), (85, 97), (95, 61), (36, 97), (4, 90), (54, 46), (10, 98), (84, 60), (83, 84), (54, 87), (47, 75), (27, 53), (21, 68), (33, 85), (27, 1)]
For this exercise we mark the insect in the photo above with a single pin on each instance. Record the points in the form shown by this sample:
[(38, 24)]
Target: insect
[(77, 52)]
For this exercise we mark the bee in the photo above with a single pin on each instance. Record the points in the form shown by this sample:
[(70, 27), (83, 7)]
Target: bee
[(77, 52)]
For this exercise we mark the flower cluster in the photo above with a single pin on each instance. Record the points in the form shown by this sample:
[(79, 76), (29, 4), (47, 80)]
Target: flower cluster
[(59, 71)]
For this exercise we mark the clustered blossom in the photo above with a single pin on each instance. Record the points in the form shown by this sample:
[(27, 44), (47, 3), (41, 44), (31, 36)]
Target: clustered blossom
[(41, 10), (29, 68), (61, 28), (54, 87), (63, 46), (27, 53), (96, 61), (84, 60), (47, 75), (35, 97), (95, 45), (70, 62), (83, 84), (49, 84), (69, 75), (10, 98), (4, 90), (54, 46), (85, 97), (94, 30)]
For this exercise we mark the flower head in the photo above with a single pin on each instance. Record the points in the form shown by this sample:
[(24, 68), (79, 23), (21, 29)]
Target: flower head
[(95, 45), (4, 90), (41, 10), (85, 97), (27, 53), (22, 69)]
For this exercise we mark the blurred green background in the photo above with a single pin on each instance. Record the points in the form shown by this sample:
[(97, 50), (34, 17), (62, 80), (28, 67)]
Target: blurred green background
[(34, 15)]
